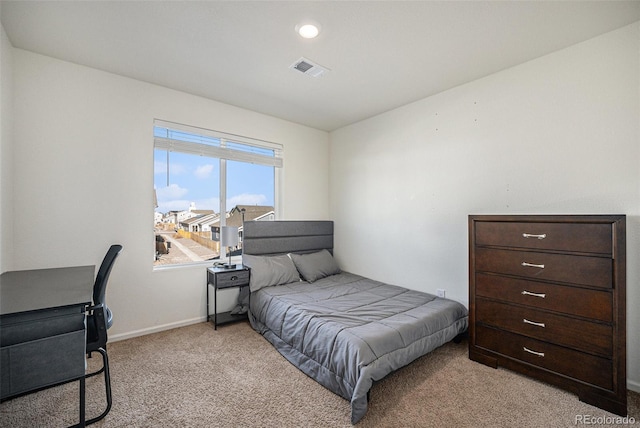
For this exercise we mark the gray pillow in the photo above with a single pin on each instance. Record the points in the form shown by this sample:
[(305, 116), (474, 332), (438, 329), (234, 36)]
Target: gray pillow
[(270, 270), (315, 266)]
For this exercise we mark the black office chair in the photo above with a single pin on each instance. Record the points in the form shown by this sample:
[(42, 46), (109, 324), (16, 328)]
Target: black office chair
[(99, 319)]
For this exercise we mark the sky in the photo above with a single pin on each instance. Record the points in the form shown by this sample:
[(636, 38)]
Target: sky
[(194, 178)]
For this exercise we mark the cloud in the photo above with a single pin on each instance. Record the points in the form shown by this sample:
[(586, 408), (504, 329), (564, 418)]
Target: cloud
[(208, 204), (173, 191), (203, 171), (173, 205), (172, 198), (159, 168)]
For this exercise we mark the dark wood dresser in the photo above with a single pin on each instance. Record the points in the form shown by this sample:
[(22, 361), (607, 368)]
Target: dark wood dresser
[(547, 298)]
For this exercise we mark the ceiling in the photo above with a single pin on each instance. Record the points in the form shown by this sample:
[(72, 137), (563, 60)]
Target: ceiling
[(381, 54)]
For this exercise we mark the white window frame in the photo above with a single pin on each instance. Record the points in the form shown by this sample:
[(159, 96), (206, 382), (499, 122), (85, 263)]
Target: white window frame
[(223, 153)]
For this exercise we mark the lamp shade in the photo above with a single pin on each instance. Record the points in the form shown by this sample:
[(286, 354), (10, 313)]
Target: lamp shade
[(228, 236)]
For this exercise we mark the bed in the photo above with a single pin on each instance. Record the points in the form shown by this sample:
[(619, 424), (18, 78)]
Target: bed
[(343, 330)]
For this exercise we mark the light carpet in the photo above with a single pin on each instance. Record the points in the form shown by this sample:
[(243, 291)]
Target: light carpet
[(198, 377)]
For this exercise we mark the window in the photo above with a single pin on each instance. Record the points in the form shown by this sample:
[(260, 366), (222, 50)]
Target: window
[(205, 180)]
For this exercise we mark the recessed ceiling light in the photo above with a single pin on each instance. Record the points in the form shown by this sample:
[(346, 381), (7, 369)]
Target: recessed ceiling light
[(308, 31)]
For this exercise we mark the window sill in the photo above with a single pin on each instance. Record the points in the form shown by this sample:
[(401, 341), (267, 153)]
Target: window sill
[(193, 265)]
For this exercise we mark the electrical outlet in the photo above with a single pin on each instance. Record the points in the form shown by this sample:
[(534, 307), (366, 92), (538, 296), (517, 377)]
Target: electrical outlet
[(440, 292)]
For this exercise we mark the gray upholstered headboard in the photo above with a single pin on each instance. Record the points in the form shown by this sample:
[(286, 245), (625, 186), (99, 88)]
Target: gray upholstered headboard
[(262, 238)]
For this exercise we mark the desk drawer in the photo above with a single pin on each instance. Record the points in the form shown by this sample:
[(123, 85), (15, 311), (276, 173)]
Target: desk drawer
[(41, 363), (586, 303), (587, 368), (574, 237), (593, 271), (14, 330), (590, 337), (232, 279)]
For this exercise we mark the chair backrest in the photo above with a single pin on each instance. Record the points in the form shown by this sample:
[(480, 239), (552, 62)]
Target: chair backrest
[(100, 286)]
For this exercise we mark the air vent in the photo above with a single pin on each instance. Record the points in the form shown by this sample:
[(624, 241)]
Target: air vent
[(310, 68)]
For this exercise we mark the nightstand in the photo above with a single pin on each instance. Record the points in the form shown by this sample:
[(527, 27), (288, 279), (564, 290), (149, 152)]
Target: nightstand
[(222, 278)]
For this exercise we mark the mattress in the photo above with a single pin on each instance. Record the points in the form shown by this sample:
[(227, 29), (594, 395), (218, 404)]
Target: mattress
[(347, 331)]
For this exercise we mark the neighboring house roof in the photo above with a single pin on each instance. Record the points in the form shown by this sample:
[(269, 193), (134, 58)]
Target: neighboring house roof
[(265, 215), (201, 219), (207, 219), (251, 212), (251, 209), (189, 221), (203, 212)]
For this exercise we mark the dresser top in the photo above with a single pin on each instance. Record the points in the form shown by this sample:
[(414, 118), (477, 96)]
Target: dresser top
[(560, 218)]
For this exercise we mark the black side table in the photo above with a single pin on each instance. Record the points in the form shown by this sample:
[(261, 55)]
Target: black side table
[(222, 278)]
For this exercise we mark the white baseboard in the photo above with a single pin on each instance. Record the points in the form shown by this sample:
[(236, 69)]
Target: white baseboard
[(633, 386), (155, 329)]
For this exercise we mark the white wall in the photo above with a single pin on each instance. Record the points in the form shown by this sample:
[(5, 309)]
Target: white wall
[(83, 177), (557, 135), (560, 134), (6, 149)]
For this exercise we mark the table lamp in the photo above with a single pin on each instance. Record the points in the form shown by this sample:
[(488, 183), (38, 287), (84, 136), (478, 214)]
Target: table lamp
[(229, 238)]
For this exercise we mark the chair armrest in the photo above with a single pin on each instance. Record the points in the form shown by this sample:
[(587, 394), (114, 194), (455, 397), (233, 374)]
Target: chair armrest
[(97, 327)]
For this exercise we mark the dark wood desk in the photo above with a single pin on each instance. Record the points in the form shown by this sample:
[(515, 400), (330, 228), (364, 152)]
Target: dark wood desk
[(43, 329)]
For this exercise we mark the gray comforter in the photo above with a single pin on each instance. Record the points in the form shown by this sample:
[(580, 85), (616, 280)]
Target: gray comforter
[(346, 331)]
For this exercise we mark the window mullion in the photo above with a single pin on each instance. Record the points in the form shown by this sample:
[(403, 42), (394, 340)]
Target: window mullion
[(223, 202)]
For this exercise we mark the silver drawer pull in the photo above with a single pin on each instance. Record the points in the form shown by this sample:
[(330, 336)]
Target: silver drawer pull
[(529, 293), (539, 354), (538, 324), (528, 235), (532, 265)]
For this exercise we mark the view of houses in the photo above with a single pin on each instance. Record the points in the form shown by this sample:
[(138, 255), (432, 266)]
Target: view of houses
[(194, 235)]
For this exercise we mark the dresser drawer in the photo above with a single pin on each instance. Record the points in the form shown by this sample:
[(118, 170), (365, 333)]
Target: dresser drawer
[(574, 237), (587, 303), (578, 334), (587, 368), (232, 279), (593, 271)]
